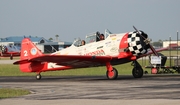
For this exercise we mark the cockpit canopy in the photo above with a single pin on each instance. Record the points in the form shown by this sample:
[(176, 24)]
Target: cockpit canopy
[(77, 42), (94, 37), (90, 38)]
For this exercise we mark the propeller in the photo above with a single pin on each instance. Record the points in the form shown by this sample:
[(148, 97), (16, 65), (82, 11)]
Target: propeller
[(147, 41)]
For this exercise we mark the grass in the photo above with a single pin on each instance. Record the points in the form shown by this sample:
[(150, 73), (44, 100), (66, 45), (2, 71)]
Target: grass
[(11, 70), (173, 52), (7, 93)]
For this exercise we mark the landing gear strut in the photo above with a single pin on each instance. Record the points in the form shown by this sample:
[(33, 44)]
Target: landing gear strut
[(111, 73), (137, 71), (38, 76)]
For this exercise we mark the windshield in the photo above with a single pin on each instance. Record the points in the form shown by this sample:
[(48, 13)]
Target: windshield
[(77, 42), (94, 37), (107, 32), (91, 38)]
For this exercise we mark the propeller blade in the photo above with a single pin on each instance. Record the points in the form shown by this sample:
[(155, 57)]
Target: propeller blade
[(151, 47), (153, 50), (139, 32)]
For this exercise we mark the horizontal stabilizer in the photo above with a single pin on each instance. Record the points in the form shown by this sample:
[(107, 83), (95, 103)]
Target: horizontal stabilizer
[(21, 61)]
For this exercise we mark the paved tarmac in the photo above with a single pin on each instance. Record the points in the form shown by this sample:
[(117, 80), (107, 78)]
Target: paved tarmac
[(95, 90), (7, 61)]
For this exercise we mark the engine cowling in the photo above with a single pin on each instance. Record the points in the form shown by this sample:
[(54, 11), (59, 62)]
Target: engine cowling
[(137, 44)]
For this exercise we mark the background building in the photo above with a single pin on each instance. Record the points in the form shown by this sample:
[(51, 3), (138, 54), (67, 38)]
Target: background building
[(46, 46), (171, 43)]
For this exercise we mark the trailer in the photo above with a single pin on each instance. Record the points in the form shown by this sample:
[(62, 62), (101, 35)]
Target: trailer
[(157, 64)]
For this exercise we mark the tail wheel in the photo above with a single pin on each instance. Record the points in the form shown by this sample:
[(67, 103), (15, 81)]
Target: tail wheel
[(112, 74), (38, 76), (137, 72)]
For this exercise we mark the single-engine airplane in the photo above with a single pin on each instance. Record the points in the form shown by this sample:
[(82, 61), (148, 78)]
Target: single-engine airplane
[(113, 50), (9, 51)]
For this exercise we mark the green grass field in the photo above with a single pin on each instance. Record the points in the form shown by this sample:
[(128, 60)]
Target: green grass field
[(172, 53), (7, 93)]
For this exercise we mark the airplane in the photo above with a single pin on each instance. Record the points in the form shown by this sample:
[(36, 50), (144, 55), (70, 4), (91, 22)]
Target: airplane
[(9, 51), (113, 50)]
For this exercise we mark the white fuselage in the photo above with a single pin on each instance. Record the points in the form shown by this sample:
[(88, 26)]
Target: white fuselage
[(107, 47)]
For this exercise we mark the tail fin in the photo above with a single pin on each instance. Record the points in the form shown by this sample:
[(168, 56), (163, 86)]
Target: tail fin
[(28, 51)]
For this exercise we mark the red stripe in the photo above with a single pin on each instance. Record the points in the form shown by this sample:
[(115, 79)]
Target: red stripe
[(124, 43)]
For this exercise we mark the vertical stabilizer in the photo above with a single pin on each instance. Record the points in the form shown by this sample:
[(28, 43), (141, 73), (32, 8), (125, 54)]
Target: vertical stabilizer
[(29, 50)]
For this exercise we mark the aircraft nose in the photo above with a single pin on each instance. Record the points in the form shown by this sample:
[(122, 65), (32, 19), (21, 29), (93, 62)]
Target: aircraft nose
[(3, 48), (137, 44)]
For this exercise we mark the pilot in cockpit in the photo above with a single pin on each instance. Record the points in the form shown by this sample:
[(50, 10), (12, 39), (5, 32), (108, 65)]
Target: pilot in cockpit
[(99, 36), (83, 42)]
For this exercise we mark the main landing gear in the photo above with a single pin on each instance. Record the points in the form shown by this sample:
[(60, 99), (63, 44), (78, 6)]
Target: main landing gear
[(137, 71), (111, 73)]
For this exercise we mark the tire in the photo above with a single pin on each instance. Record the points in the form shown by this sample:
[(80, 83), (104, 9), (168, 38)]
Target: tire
[(112, 74), (38, 76), (137, 72)]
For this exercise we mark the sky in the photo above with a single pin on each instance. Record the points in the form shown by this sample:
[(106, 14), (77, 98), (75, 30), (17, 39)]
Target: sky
[(70, 19)]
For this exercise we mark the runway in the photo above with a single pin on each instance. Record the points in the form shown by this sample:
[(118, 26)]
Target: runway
[(97, 90)]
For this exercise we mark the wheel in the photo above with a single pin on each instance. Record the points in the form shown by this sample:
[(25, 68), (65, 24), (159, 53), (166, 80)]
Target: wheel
[(112, 74), (38, 76), (137, 72), (11, 57)]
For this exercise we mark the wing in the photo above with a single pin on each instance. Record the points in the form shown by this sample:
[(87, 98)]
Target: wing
[(70, 60)]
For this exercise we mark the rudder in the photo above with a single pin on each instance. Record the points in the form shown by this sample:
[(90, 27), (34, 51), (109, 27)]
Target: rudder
[(29, 50)]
